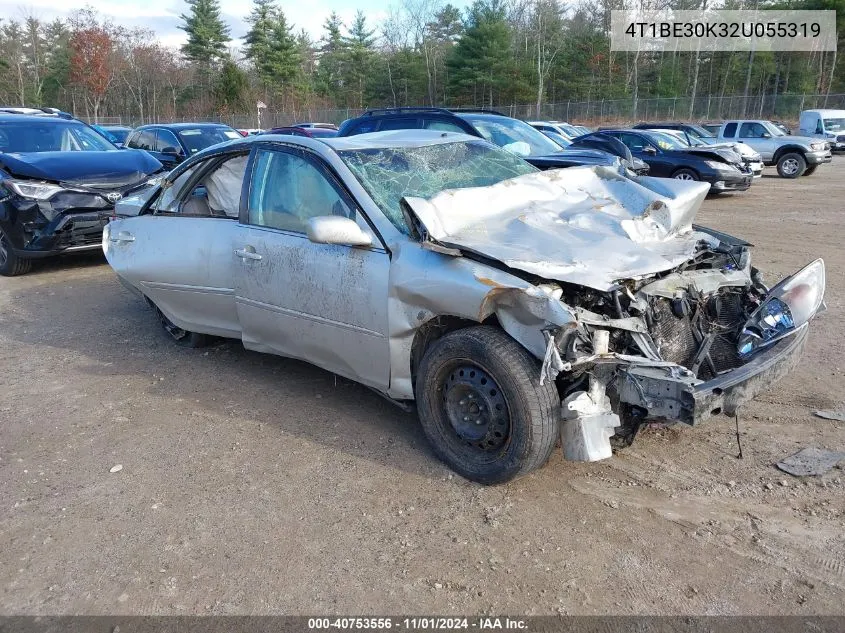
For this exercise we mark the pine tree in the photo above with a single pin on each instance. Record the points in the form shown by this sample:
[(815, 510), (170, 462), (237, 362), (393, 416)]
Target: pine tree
[(230, 88), (480, 61), (257, 39), (207, 33), (331, 54), (359, 46), (283, 61)]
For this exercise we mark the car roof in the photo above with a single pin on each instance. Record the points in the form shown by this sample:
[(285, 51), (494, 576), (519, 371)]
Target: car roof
[(824, 113), (181, 126), (392, 139), (36, 118)]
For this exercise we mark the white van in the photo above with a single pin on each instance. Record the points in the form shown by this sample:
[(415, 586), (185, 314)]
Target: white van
[(826, 124)]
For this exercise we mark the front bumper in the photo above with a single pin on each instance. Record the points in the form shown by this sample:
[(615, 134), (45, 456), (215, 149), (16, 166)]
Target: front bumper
[(817, 158), (730, 182), (666, 394), (756, 169), (71, 231)]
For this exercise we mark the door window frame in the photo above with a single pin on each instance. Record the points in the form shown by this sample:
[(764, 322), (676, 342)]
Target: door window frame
[(320, 164), (203, 169)]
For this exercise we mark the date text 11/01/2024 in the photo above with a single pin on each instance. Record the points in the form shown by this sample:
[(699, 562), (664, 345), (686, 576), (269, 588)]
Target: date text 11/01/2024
[(418, 623)]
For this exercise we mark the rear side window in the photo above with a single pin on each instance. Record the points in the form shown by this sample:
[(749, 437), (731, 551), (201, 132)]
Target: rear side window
[(406, 123), (730, 130), (145, 139), (365, 127), (443, 126)]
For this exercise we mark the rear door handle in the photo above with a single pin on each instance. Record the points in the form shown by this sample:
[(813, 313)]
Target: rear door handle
[(247, 254), (122, 236)]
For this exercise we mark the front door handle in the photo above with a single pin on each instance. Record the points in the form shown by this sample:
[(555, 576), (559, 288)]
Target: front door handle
[(122, 236), (244, 253)]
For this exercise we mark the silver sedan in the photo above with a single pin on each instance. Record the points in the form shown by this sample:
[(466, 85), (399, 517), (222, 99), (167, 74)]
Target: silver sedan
[(513, 307)]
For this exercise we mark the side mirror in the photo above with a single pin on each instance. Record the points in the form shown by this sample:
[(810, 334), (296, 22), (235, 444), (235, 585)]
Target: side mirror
[(334, 229), (765, 135), (648, 149), (172, 151)]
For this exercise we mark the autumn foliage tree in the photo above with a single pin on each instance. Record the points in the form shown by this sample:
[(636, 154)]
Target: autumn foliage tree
[(91, 64)]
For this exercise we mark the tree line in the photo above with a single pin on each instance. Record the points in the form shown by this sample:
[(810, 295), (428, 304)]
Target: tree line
[(426, 52)]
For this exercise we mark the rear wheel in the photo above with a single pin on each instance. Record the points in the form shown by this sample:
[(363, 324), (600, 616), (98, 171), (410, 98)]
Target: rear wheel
[(482, 407), (685, 174), (10, 263), (810, 169), (791, 165), (186, 338)]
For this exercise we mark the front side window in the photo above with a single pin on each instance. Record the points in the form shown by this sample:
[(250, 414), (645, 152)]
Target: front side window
[(287, 189), (752, 130), (392, 173), (166, 140), (50, 136)]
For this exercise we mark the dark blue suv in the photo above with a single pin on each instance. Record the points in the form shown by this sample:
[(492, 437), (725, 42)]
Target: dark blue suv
[(506, 132)]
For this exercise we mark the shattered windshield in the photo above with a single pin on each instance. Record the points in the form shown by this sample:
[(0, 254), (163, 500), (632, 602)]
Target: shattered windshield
[(390, 174)]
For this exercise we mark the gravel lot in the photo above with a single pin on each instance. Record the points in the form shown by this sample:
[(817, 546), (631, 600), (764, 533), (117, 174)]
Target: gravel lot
[(259, 485)]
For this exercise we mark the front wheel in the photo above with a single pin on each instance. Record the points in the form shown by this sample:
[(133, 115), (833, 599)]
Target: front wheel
[(685, 174), (482, 406), (810, 169), (791, 165), (10, 263)]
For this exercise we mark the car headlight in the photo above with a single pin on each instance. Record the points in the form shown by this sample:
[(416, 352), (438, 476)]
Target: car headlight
[(818, 146), (33, 190), (714, 164), (788, 307)]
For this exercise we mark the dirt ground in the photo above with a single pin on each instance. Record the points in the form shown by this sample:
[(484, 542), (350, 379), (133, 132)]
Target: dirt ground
[(258, 485)]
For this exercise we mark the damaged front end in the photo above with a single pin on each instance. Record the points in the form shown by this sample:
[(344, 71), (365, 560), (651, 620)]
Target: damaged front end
[(713, 338), (633, 311)]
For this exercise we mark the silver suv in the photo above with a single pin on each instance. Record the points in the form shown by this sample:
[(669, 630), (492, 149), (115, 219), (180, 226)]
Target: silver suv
[(794, 155)]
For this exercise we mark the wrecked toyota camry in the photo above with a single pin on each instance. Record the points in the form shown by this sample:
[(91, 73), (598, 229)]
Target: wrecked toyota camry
[(514, 308)]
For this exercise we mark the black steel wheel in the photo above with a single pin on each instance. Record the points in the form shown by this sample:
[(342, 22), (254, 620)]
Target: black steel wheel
[(482, 407)]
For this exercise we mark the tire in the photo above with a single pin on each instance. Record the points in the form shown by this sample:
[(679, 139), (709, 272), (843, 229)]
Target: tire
[(481, 371), (185, 338), (791, 165), (685, 174), (11, 264), (810, 169)]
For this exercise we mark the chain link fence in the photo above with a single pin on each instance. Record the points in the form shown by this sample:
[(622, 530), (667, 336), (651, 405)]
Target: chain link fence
[(594, 112)]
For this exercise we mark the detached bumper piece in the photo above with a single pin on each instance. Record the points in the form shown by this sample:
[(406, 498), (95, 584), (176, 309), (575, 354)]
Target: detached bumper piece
[(670, 393)]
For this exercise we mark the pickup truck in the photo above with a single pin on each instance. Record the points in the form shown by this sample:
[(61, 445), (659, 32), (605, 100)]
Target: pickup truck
[(794, 155)]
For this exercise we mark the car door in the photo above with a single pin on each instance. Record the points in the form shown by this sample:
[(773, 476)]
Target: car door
[(754, 134), (324, 303), (658, 162), (180, 255)]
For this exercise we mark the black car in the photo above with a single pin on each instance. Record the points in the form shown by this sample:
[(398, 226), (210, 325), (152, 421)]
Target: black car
[(174, 142), (59, 180), (669, 157), (508, 133)]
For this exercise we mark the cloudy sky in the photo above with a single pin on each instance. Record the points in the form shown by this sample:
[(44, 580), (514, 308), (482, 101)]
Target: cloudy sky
[(163, 15)]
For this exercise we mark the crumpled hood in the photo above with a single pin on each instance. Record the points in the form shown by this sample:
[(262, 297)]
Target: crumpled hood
[(106, 169), (721, 154), (582, 225)]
